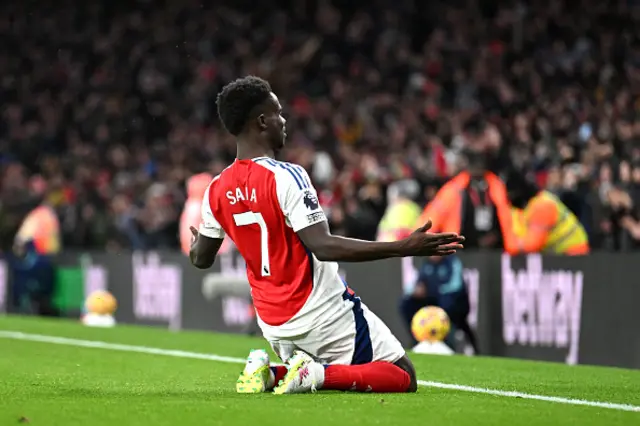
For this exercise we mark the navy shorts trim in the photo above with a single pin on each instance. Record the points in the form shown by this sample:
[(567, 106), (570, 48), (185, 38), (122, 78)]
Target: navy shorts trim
[(363, 348)]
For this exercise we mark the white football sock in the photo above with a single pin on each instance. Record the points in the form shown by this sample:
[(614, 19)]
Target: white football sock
[(317, 370)]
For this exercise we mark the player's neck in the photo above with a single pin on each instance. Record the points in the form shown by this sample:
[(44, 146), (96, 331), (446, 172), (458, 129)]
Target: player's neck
[(249, 155), (248, 149)]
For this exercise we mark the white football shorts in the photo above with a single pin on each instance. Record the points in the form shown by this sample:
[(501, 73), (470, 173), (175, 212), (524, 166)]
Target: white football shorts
[(356, 337)]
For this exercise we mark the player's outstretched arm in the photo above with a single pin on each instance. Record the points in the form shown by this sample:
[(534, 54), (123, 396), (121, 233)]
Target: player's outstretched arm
[(203, 249), (299, 203), (327, 247)]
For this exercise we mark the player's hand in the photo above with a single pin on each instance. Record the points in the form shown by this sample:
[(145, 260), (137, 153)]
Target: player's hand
[(195, 234), (422, 243)]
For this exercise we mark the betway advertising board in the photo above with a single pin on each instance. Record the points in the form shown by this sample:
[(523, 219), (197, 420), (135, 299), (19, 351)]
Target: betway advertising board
[(576, 310)]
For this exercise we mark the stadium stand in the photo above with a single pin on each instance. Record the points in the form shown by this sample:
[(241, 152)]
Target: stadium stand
[(108, 107)]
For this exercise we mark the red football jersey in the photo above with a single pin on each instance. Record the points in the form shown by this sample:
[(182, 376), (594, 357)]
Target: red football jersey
[(261, 204)]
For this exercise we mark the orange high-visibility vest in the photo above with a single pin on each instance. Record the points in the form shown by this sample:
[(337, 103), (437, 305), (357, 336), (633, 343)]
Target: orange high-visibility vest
[(550, 227), (445, 210), (43, 228)]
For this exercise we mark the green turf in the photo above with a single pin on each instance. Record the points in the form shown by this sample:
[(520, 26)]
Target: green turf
[(63, 385)]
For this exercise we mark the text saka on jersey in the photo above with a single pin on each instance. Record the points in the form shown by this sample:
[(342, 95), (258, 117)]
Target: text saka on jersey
[(241, 195)]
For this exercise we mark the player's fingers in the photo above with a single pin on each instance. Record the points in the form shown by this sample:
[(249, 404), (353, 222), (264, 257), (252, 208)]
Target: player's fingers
[(425, 227), (441, 239), (445, 252), (448, 241), (445, 236), (451, 247), (458, 239), (194, 231)]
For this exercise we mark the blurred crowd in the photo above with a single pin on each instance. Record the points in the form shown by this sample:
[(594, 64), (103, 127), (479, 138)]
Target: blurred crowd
[(108, 107)]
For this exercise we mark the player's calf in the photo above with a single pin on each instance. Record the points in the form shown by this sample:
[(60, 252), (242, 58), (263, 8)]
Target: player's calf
[(380, 377), (306, 375)]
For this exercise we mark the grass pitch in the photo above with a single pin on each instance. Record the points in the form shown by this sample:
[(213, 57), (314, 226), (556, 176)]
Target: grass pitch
[(62, 382)]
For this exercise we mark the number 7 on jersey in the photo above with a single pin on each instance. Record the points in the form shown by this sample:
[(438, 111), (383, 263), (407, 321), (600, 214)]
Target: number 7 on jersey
[(253, 218)]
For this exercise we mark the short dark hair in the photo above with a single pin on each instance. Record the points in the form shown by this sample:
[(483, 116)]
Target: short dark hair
[(238, 98)]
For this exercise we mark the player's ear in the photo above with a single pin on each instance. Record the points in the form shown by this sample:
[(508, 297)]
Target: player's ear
[(262, 122)]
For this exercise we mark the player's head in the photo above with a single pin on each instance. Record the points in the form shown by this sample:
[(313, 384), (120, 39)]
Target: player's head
[(248, 106)]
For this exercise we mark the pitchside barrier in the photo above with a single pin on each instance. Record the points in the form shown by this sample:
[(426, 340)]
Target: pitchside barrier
[(566, 309)]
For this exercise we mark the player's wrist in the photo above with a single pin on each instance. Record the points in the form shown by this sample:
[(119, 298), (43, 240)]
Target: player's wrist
[(399, 248)]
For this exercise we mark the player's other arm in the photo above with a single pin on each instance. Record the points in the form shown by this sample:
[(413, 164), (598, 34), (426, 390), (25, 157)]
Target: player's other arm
[(299, 203), (208, 239), (203, 249), (328, 247)]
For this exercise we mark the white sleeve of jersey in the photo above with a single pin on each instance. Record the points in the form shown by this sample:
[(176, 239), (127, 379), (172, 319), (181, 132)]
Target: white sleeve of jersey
[(209, 227), (297, 197)]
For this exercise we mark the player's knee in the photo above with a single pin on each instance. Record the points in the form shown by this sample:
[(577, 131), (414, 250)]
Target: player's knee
[(405, 364), (413, 383)]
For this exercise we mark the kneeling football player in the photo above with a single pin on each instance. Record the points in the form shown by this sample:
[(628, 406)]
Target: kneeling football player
[(314, 322)]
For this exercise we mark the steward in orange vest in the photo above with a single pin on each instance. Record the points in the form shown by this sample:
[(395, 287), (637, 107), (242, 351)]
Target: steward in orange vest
[(474, 204), (546, 224), (42, 227)]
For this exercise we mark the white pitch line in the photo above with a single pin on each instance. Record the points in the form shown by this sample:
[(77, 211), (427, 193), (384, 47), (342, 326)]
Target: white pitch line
[(16, 335)]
